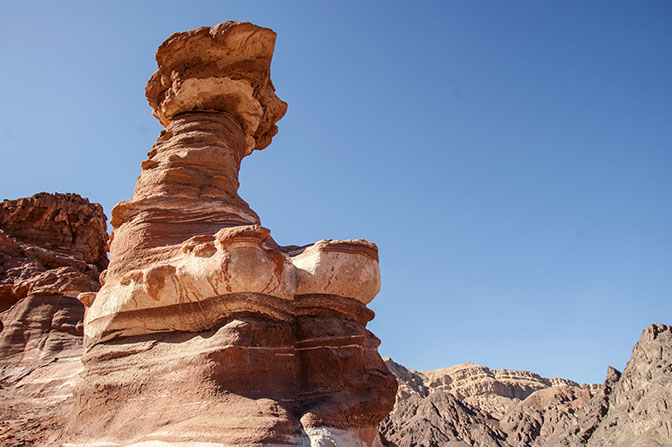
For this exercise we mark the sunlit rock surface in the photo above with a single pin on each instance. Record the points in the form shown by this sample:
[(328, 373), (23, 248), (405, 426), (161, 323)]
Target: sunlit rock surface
[(205, 331)]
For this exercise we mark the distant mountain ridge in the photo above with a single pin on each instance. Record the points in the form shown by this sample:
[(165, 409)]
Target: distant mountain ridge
[(471, 405)]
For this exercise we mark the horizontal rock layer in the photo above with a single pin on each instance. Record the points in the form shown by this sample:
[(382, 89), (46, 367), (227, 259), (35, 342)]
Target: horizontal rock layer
[(186, 240), (462, 405), (491, 390)]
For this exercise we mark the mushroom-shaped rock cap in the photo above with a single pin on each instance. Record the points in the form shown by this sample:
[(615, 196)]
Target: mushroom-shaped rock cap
[(224, 68)]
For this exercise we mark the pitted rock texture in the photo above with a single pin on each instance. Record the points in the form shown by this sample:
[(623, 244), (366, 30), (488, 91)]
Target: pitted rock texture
[(51, 249), (200, 312), (50, 244), (64, 223)]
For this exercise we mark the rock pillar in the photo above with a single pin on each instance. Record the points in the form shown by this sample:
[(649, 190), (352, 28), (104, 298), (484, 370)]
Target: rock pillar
[(205, 331)]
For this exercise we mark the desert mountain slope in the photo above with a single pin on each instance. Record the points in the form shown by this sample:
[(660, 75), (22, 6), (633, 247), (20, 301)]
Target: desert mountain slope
[(471, 405), (633, 409)]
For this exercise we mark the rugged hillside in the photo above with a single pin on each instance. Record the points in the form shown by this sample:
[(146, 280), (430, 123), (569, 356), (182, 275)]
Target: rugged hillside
[(470, 405), (494, 391), (461, 405), (633, 408)]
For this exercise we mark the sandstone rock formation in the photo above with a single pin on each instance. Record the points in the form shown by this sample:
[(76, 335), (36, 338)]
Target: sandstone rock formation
[(470, 405), (52, 247), (423, 416), (50, 244), (205, 331)]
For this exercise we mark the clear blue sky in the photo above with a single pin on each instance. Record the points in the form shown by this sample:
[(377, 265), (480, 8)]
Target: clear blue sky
[(512, 160)]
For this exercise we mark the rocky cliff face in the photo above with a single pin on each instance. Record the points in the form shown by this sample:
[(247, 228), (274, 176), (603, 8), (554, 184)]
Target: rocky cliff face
[(633, 408), (204, 329), (470, 405), (52, 247)]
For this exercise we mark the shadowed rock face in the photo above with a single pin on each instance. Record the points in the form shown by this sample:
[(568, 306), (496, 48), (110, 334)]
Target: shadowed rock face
[(544, 414), (204, 329), (51, 249)]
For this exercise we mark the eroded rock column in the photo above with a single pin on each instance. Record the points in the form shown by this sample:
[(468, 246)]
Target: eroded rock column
[(205, 331)]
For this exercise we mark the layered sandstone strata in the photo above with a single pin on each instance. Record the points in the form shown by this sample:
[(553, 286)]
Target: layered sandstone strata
[(52, 248), (494, 391), (205, 331)]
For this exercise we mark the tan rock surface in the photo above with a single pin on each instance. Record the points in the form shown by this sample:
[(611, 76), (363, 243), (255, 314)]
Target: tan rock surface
[(225, 68), (200, 312), (424, 416)]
